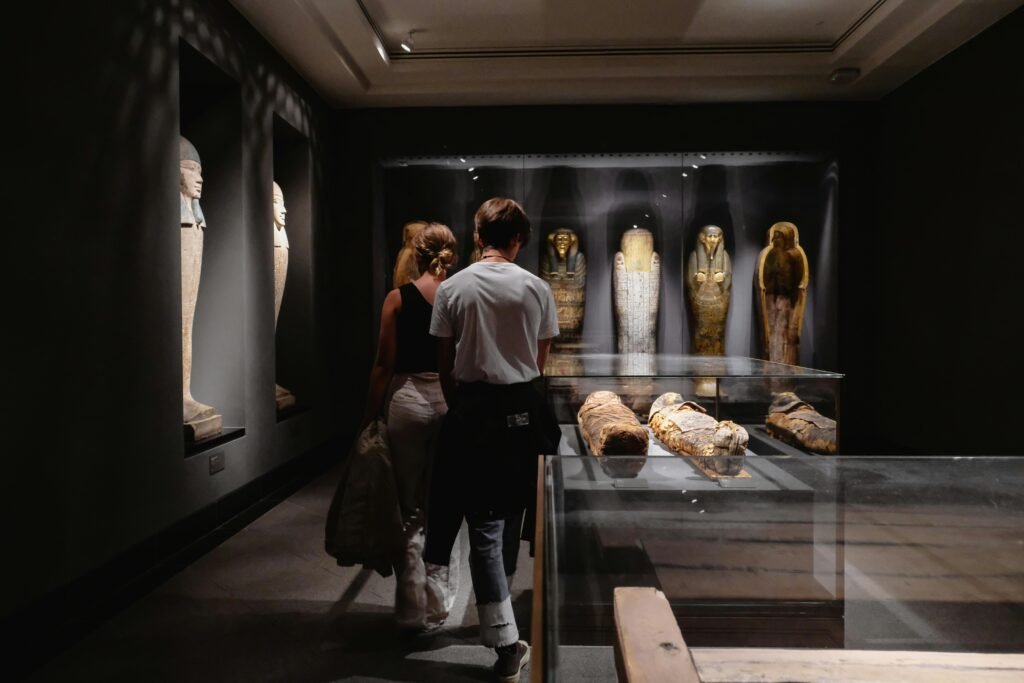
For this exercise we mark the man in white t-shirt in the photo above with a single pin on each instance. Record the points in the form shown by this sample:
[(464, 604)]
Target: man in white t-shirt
[(494, 322)]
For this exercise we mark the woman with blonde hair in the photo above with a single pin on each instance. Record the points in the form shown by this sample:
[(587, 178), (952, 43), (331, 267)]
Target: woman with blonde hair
[(406, 390)]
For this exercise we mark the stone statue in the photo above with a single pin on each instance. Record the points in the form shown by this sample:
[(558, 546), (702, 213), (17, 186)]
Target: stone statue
[(564, 268), (781, 278), (201, 421), (708, 281), (636, 278), (405, 265), (283, 397)]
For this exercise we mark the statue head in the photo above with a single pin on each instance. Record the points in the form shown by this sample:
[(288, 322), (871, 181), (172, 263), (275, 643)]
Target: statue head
[(279, 209), (639, 239), (190, 183), (564, 242), (711, 236), (191, 170), (783, 236)]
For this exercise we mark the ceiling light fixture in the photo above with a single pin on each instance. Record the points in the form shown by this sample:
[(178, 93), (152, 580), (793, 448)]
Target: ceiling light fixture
[(408, 43)]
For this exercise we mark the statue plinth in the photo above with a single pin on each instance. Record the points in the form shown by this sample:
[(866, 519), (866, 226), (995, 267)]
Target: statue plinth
[(203, 428)]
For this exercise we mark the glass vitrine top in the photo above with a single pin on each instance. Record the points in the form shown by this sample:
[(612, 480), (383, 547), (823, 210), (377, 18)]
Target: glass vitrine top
[(674, 365)]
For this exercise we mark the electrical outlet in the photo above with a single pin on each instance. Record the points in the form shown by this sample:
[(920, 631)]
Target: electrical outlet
[(216, 462)]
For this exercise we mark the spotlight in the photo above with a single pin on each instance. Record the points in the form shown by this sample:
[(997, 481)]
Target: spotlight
[(471, 169), (408, 43), (703, 156), (694, 165), (476, 177)]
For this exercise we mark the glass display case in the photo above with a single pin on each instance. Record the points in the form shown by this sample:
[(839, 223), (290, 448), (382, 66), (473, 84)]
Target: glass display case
[(859, 553), (739, 389), (596, 201)]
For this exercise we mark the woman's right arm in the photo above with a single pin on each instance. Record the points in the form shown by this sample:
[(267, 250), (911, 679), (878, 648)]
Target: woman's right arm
[(384, 365)]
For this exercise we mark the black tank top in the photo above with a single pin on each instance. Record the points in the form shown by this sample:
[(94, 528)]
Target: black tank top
[(417, 350)]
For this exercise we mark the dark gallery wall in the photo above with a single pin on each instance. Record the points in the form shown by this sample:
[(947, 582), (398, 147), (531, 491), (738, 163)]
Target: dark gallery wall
[(95, 461), (947, 257), (840, 131)]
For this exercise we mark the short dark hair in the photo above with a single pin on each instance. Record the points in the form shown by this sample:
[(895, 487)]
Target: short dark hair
[(499, 220)]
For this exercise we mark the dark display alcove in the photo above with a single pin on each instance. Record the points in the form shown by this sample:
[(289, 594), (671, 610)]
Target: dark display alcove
[(211, 118), (293, 346)]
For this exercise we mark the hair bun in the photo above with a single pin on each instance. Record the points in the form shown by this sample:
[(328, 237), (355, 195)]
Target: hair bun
[(442, 261)]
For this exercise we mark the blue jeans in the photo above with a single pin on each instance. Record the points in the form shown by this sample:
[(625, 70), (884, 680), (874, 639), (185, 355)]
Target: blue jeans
[(491, 564)]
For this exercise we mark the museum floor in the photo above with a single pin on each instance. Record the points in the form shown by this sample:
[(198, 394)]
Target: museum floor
[(269, 605)]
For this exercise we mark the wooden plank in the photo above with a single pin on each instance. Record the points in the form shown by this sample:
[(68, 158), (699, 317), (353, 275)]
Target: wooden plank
[(649, 647), (537, 617), (747, 665)]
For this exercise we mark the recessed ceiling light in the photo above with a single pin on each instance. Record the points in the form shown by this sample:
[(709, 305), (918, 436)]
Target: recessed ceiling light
[(694, 165), (476, 177), (471, 169), (703, 156)]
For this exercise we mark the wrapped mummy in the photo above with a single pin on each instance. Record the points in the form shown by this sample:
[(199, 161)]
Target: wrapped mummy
[(792, 420), (715, 447), (610, 428)]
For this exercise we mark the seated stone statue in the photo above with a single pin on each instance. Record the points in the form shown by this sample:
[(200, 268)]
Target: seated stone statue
[(792, 420)]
